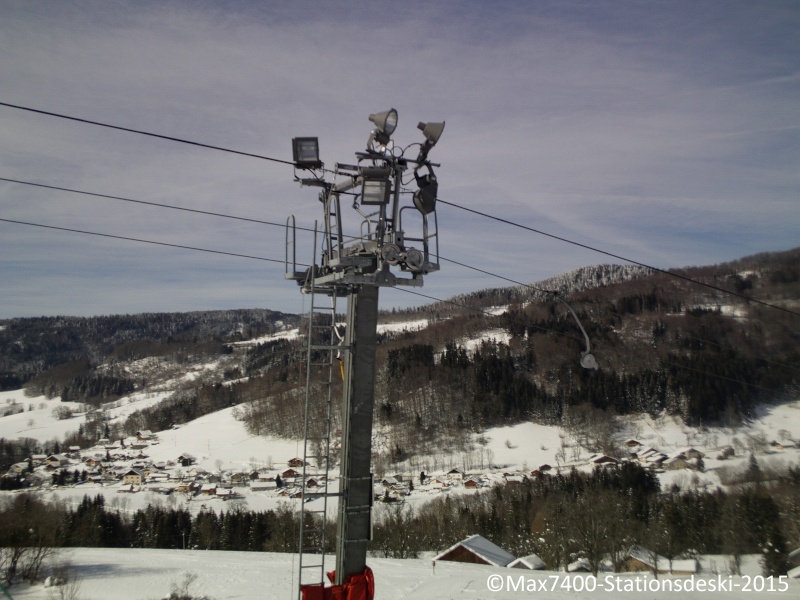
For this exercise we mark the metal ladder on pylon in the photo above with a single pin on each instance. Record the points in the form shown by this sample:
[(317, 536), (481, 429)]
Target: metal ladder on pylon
[(323, 365)]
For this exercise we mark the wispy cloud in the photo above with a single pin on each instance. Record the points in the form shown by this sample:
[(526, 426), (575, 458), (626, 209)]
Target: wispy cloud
[(666, 133)]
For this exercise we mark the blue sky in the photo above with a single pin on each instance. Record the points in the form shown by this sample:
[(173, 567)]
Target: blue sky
[(666, 132)]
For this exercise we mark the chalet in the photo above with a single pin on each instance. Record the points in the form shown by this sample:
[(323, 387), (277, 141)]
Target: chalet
[(263, 485), (651, 457), (224, 493), (675, 463), (312, 483), (641, 559), (438, 482), (603, 460), (144, 435), (208, 489), (132, 477), (513, 477), (74, 449), (286, 493), (184, 487), (18, 468), (296, 462), (186, 459), (532, 562), (240, 478), (455, 475), (290, 474), (579, 566), (389, 482), (139, 445), (472, 483), (692, 453), (476, 549), (632, 444), (57, 460)]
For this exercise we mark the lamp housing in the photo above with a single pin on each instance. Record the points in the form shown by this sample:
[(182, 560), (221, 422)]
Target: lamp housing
[(385, 124), (385, 121), (431, 131), (305, 152), (375, 186), (425, 196)]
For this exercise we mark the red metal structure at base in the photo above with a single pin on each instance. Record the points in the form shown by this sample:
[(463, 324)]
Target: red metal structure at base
[(357, 587)]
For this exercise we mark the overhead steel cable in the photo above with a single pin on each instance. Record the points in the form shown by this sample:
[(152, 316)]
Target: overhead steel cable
[(148, 203), (147, 133), (617, 256), (132, 239), (453, 204), (247, 219)]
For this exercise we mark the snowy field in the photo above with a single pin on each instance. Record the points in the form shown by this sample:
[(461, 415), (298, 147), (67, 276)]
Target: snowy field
[(110, 574)]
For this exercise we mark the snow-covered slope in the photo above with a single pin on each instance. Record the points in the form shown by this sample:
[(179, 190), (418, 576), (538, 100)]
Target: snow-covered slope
[(150, 574)]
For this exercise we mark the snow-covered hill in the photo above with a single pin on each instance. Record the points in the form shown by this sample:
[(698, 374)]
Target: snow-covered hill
[(150, 574)]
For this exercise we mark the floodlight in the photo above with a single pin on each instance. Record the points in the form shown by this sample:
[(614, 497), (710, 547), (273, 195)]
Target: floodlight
[(306, 152), (386, 121), (376, 186), (425, 196), (431, 131)]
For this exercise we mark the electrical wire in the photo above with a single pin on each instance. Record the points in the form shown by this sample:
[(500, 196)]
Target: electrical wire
[(617, 256), (147, 203), (453, 204), (131, 239), (147, 133), (451, 302)]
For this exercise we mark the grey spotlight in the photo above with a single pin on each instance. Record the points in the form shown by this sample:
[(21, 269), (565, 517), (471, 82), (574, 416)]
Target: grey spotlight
[(431, 131), (386, 121), (385, 124), (305, 151)]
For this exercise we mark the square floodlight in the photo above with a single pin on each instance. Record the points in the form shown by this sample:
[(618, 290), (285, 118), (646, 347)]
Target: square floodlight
[(375, 192), (305, 151)]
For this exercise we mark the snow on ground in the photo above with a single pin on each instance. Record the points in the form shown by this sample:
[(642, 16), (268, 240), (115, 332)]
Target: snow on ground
[(135, 574), (501, 336), (286, 334), (37, 420), (524, 444), (417, 325)]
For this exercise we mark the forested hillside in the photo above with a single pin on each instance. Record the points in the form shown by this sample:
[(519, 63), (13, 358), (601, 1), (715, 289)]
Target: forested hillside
[(73, 345), (499, 356)]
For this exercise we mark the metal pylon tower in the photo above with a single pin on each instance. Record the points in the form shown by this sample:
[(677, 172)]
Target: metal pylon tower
[(375, 253)]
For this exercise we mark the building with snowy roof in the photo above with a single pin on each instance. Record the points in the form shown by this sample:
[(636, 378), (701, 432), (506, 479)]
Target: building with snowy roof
[(476, 549), (532, 562), (642, 559)]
